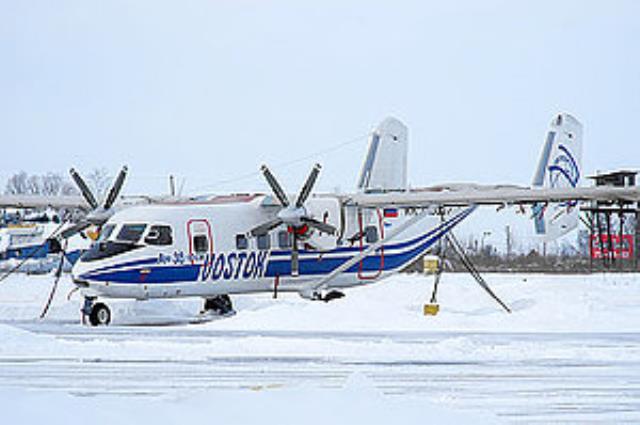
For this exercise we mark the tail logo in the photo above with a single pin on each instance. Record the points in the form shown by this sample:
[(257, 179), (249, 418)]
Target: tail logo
[(564, 169)]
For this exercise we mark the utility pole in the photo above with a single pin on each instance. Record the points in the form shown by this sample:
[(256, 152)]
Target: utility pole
[(484, 235)]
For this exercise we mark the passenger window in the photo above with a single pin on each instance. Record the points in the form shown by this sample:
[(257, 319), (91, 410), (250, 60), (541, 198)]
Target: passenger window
[(131, 232), (106, 232), (371, 234), (241, 242), (200, 244), (284, 239), (159, 235), (264, 242)]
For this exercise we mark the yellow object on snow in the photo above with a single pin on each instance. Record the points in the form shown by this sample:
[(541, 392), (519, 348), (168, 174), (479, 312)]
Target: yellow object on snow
[(431, 309), (430, 264)]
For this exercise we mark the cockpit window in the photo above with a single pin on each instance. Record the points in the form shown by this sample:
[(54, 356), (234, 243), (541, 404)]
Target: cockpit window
[(131, 232), (102, 250), (106, 232), (159, 235)]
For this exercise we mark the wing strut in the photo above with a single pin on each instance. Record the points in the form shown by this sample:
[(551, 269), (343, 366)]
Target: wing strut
[(442, 248), (313, 290), (457, 247)]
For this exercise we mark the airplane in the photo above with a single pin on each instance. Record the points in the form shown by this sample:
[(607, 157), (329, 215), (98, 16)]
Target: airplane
[(316, 245), (27, 237)]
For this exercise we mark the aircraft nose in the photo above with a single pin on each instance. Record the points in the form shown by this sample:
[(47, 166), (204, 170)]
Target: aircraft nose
[(78, 273)]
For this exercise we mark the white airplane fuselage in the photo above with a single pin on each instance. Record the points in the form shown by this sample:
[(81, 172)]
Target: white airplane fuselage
[(202, 249)]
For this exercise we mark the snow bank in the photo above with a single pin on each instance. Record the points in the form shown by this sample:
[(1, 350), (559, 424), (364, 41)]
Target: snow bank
[(357, 402), (540, 303)]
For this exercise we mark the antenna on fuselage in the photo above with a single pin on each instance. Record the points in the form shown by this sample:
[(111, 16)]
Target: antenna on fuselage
[(172, 185)]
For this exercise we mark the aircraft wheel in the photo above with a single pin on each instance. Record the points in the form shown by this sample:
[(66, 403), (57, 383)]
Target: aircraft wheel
[(100, 315), (220, 305)]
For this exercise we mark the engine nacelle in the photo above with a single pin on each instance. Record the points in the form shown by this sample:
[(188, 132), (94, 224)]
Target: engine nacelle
[(326, 210)]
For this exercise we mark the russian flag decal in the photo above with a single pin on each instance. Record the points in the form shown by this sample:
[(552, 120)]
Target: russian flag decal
[(390, 212)]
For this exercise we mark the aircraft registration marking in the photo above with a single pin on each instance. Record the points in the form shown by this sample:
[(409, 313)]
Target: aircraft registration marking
[(223, 265)]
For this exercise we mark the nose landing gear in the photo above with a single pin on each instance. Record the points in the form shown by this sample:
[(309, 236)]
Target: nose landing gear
[(96, 314)]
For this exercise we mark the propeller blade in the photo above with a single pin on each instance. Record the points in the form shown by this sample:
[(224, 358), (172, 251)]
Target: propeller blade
[(115, 189), (294, 256), (275, 186), (308, 186), (84, 189), (264, 228), (78, 227), (323, 227)]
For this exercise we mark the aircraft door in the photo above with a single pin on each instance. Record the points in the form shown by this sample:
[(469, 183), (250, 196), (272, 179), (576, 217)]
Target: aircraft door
[(200, 239), (371, 229)]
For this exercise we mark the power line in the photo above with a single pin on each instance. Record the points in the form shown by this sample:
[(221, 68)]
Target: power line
[(285, 164)]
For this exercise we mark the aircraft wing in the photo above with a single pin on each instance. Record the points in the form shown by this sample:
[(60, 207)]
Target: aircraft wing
[(42, 201), (463, 195)]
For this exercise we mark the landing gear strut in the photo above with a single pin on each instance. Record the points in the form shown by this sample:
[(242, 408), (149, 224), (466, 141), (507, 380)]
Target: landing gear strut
[(319, 296), (332, 295), (220, 305), (97, 314)]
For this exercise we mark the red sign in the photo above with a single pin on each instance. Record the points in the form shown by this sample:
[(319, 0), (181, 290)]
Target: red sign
[(621, 246)]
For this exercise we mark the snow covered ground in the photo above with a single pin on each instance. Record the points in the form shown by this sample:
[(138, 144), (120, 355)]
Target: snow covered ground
[(569, 353)]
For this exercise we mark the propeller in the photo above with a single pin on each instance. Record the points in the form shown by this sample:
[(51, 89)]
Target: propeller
[(98, 214), (293, 215)]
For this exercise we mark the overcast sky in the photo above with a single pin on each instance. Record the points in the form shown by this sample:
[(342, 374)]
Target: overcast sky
[(209, 90)]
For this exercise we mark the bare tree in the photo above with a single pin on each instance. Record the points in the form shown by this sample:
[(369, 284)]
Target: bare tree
[(17, 184), (509, 240), (99, 181), (50, 184), (34, 185), (68, 188), (583, 241), (629, 224)]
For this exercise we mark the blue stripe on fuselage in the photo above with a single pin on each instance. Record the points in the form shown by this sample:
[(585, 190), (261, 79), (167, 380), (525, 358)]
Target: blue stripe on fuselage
[(166, 274), (372, 263), (142, 262), (321, 263)]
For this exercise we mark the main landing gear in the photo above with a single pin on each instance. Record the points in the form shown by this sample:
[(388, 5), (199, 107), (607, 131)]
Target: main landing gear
[(95, 314), (320, 296), (220, 306)]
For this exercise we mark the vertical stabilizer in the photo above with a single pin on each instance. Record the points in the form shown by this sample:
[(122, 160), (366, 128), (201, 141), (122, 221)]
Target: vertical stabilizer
[(560, 166), (385, 166)]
